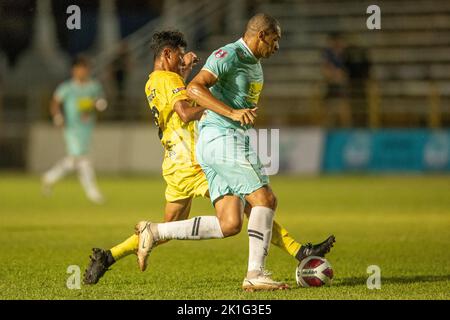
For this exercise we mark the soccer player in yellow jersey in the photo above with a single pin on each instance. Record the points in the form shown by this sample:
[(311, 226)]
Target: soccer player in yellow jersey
[(175, 114)]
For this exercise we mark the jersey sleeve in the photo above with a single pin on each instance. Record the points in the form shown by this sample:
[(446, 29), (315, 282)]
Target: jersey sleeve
[(219, 62), (61, 92), (175, 90)]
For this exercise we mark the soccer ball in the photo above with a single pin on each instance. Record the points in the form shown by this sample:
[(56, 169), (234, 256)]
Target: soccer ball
[(314, 272)]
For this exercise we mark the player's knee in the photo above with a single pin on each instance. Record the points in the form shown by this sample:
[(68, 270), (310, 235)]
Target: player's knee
[(231, 230), (69, 163), (230, 227), (263, 198), (274, 203), (82, 162), (269, 200), (173, 216)]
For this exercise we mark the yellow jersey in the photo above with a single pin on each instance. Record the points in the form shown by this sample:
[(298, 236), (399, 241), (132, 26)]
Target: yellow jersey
[(163, 89)]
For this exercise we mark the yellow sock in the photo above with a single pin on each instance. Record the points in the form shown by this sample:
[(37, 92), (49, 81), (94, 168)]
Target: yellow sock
[(125, 248), (282, 239)]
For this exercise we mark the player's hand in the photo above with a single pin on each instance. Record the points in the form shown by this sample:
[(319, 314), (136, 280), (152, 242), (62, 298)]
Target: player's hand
[(244, 116), (101, 105), (58, 120), (190, 60)]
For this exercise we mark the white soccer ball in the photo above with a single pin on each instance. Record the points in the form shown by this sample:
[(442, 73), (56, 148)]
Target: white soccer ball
[(314, 272)]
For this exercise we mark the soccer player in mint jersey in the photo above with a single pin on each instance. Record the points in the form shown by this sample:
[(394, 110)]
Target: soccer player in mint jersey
[(73, 108), (229, 87), (176, 116)]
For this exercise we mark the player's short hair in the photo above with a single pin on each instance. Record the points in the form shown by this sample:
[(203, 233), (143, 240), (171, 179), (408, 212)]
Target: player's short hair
[(81, 60), (167, 38), (262, 22)]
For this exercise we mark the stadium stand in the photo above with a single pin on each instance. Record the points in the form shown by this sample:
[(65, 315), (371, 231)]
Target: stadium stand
[(410, 59), (408, 83)]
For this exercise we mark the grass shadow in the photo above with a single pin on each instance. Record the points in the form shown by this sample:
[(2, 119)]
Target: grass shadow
[(359, 281)]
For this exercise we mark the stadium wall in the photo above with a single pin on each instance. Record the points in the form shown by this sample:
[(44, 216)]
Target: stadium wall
[(115, 148), (301, 150), (135, 148), (396, 150)]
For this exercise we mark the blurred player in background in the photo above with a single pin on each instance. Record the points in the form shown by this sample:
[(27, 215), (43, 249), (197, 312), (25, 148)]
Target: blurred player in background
[(73, 109), (336, 78), (175, 115)]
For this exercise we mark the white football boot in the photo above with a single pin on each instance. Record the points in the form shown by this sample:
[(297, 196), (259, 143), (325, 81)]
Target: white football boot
[(146, 243), (95, 197), (261, 280), (46, 187)]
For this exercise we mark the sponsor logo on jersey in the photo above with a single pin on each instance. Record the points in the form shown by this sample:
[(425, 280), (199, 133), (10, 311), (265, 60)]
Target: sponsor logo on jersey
[(254, 91), (220, 54), (178, 90), (152, 95)]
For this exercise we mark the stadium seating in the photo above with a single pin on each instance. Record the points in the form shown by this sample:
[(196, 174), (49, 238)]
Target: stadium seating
[(410, 57)]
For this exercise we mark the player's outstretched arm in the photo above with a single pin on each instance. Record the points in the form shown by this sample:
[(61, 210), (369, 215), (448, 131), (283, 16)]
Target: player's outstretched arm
[(198, 91), (187, 112)]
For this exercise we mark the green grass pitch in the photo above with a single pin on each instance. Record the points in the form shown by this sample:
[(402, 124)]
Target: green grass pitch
[(400, 223)]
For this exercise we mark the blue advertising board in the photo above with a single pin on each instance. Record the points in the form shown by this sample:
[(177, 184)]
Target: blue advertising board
[(393, 150)]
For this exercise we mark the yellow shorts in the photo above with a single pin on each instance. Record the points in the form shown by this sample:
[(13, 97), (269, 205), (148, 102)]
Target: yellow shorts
[(186, 183)]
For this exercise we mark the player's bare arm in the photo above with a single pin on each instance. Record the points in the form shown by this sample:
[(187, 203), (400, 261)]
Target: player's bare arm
[(55, 111), (198, 91), (187, 112)]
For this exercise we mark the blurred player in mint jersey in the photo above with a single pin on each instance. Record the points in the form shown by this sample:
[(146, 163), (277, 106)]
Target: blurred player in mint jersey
[(73, 109)]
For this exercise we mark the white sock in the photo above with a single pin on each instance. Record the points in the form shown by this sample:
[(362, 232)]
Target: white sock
[(87, 179), (59, 170), (204, 227), (259, 234)]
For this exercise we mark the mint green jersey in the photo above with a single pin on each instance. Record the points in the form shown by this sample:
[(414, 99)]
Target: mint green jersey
[(78, 102), (239, 81), (223, 150)]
